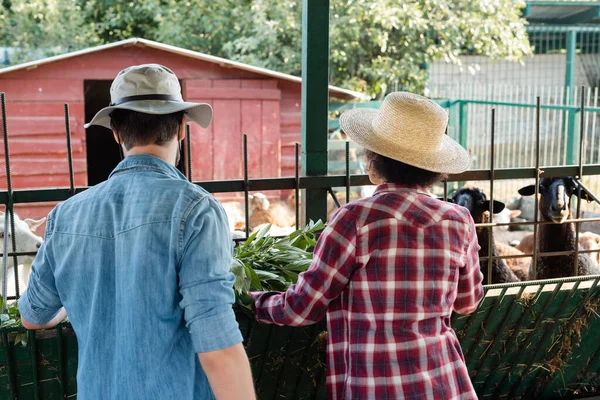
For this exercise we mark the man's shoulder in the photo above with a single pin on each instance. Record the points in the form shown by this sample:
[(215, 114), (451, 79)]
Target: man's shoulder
[(113, 207)]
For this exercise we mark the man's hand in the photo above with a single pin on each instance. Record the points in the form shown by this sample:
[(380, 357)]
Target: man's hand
[(62, 314), (228, 372)]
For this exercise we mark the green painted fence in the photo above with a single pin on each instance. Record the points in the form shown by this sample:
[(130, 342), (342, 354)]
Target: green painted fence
[(533, 340)]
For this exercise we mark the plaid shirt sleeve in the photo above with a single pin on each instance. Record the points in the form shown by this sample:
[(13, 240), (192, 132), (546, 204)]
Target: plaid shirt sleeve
[(306, 302), (470, 288)]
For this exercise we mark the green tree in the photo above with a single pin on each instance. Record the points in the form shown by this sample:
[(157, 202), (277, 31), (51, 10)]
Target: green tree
[(42, 28), (374, 44)]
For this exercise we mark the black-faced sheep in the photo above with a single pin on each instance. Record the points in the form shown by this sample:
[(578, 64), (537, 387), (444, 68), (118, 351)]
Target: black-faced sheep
[(555, 206), (474, 200)]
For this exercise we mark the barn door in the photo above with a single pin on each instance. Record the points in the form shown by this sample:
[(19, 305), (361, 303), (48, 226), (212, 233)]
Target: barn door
[(240, 106)]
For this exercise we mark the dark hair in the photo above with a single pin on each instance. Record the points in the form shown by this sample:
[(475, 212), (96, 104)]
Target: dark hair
[(394, 171), (139, 129)]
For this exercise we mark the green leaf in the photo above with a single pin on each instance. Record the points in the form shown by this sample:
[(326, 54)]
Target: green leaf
[(21, 338)]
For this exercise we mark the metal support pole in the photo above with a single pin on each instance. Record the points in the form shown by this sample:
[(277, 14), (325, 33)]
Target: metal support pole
[(315, 98), (463, 123), (569, 96), (188, 152), (570, 63), (463, 127)]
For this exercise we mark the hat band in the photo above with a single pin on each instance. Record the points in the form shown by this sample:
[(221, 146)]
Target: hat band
[(145, 97)]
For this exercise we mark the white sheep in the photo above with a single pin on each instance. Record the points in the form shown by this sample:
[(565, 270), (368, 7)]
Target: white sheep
[(27, 242)]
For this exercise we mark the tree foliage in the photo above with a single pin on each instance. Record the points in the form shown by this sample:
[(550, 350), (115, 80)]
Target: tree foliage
[(374, 44)]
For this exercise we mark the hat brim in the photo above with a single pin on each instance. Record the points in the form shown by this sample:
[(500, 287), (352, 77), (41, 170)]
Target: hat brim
[(201, 113), (449, 158)]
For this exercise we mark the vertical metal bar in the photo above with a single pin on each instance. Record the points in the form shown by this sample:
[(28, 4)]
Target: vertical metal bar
[(69, 151), (10, 206), (9, 364), (463, 127), (347, 172), (492, 173), (61, 367), (246, 189), (571, 45), (297, 185), (445, 189), (34, 364), (5, 263), (579, 178), (537, 187), (188, 152), (570, 62), (315, 98), (446, 180)]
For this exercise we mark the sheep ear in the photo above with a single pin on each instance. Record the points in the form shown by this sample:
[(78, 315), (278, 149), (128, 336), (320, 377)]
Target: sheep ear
[(34, 223), (498, 206), (586, 195), (265, 204), (527, 190)]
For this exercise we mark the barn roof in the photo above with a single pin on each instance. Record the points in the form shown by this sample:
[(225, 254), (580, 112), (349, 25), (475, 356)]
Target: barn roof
[(183, 52)]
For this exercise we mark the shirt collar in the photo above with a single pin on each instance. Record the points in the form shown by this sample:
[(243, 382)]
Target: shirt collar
[(140, 162), (397, 188)]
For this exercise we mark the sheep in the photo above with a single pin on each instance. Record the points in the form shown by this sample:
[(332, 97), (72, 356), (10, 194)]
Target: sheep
[(587, 241), (27, 242), (590, 241), (555, 206), (280, 214), (505, 216), (259, 211), (518, 265), (474, 200)]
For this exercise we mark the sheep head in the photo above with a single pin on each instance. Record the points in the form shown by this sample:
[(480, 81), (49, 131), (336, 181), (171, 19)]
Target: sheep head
[(555, 197), (474, 200)]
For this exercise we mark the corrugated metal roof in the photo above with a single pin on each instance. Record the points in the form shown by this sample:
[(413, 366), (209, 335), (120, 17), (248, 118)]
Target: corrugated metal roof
[(184, 52)]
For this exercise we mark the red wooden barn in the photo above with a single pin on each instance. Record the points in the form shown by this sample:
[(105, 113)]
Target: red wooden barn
[(262, 103)]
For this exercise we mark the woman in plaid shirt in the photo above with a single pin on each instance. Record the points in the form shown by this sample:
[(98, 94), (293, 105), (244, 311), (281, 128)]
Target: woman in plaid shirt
[(389, 270)]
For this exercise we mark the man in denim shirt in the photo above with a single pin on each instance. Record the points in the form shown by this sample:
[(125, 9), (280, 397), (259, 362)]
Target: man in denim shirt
[(141, 262)]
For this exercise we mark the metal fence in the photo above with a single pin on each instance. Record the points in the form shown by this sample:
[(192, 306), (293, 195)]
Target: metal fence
[(511, 314)]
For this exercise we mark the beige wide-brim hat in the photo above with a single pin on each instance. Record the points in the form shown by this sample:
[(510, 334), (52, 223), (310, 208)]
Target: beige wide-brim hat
[(150, 89), (408, 128)]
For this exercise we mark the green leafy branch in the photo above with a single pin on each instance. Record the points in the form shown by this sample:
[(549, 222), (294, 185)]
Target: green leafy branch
[(266, 263)]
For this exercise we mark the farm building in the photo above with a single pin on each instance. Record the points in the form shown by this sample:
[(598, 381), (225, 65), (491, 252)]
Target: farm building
[(261, 103)]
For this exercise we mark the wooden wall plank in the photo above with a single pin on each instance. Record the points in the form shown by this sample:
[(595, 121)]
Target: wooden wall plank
[(43, 109), (45, 181), (227, 159), (252, 83), (48, 167), (202, 149), (271, 140), (43, 147), (227, 83), (52, 90), (33, 125), (234, 93), (251, 126)]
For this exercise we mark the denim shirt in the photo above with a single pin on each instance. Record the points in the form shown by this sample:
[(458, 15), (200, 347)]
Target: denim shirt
[(141, 264)]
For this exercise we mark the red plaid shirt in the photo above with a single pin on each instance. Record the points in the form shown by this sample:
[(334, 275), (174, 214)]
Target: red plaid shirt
[(388, 271)]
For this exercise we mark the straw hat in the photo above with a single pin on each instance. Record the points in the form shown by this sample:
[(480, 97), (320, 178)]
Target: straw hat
[(150, 89), (408, 128)]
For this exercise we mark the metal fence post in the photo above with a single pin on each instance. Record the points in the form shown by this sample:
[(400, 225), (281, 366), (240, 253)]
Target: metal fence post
[(572, 135), (571, 44), (463, 123), (315, 98)]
